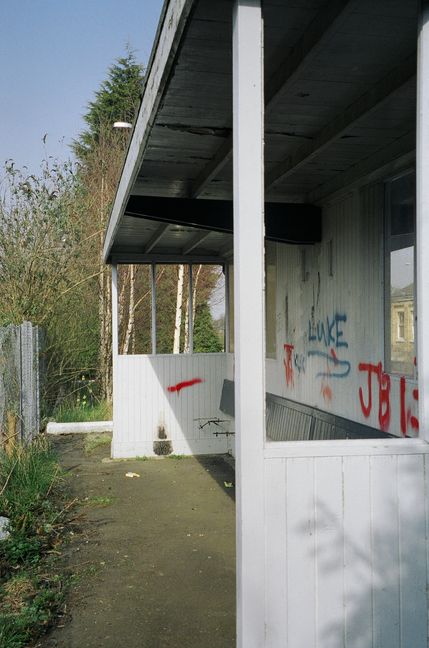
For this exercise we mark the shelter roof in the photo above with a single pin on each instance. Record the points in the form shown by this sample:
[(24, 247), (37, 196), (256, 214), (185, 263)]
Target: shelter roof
[(340, 101)]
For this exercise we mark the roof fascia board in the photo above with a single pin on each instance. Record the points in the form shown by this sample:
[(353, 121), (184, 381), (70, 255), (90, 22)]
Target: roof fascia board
[(285, 222), (175, 14), (130, 256)]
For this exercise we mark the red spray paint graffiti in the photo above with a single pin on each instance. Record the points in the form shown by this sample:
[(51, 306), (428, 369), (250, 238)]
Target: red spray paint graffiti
[(288, 364), (326, 392), (383, 380), (186, 383), (407, 419)]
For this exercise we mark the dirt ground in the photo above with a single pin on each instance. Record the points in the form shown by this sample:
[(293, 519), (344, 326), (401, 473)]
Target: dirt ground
[(155, 562)]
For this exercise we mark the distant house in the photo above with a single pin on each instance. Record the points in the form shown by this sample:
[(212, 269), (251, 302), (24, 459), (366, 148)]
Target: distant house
[(289, 144), (402, 331)]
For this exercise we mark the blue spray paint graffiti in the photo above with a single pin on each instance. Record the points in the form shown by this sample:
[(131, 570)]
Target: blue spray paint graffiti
[(299, 361), (326, 338), (341, 367), (329, 334), (328, 331)]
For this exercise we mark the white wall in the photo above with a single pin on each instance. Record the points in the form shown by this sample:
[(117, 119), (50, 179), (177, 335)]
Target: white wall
[(347, 304), (143, 403), (346, 522), (346, 551)]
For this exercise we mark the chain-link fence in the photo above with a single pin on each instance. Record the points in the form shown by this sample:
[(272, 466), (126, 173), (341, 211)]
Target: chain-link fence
[(19, 383)]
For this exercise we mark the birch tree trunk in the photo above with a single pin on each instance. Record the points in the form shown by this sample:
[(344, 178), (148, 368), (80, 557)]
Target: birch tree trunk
[(194, 293), (186, 343), (179, 302), (129, 334), (194, 299)]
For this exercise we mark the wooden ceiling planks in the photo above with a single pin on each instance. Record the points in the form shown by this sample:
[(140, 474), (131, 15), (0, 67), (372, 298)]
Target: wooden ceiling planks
[(324, 69)]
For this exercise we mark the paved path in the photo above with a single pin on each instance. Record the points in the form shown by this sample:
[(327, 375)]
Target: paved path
[(162, 552)]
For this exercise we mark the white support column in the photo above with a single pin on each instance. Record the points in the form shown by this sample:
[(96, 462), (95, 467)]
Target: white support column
[(227, 307), (153, 311), (115, 347), (422, 218), (249, 316), (191, 312)]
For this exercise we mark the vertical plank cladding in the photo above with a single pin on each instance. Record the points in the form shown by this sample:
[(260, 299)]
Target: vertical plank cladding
[(175, 396), (346, 551), (330, 320), (301, 553)]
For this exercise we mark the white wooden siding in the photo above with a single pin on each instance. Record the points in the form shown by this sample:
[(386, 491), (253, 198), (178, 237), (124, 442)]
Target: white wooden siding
[(143, 403), (350, 288), (346, 554)]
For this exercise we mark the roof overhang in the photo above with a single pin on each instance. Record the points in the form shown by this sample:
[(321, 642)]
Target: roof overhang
[(340, 105)]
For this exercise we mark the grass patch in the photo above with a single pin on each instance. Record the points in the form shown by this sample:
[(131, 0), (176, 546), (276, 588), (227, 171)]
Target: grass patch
[(33, 497), (83, 412), (93, 441)]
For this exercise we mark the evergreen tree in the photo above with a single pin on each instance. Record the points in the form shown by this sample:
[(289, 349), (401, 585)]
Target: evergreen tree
[(206, 340), (117, 99), (100, 150)]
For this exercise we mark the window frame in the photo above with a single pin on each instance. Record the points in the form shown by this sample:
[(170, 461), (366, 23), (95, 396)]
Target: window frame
[(391, 243)]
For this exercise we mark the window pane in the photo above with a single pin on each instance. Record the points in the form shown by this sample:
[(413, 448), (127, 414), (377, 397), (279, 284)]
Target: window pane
[(402, 311), (402, 192), (399, 267)]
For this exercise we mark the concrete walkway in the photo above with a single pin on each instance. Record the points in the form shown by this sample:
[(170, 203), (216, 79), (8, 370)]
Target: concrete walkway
[(156, 557)]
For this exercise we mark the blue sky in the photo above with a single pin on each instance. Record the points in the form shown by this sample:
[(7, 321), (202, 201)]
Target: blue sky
[(53, 56)]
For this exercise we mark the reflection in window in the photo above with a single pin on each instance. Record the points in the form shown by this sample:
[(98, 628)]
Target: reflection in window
[(401, 325), (400, 282)]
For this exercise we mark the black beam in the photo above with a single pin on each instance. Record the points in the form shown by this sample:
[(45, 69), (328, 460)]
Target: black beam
[(285, 222)]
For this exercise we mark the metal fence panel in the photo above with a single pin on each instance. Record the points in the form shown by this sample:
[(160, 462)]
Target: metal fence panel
[(19, 383)]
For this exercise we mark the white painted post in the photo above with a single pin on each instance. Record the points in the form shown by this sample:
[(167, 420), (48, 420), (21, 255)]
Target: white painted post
[(191, 312), (115, 346), (227, 307), (422, 218), (248, 138), (153, 314)]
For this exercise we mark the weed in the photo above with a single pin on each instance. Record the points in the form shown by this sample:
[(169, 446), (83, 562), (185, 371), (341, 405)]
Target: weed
[(19, 549), (94, 441), (32, 496), (28, 475), (176, 457), (82, 412), (162, 447), (98, 501), (29, 603)]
